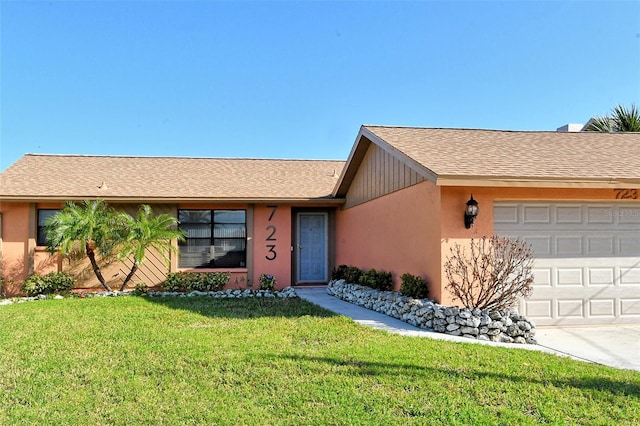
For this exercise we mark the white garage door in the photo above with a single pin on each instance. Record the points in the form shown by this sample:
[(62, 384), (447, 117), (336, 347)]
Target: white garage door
[(587, 260)]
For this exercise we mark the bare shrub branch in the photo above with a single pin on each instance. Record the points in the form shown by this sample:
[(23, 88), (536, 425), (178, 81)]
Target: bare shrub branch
[(494, 276)]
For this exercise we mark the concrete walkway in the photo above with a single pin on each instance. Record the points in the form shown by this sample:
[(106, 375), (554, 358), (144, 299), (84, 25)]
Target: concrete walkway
[(615, 346)]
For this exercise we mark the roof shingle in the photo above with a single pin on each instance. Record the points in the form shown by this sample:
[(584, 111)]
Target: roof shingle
[(517, 154), (37, 176)]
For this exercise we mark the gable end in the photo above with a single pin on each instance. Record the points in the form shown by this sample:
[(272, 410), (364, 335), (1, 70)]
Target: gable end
[(380, 173)]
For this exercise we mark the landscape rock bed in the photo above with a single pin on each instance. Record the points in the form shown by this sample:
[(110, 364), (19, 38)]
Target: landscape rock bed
[(507, 326), (285, 293)]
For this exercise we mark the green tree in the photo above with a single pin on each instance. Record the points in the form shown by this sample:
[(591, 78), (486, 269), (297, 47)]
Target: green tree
[(83, 228), (143, 232), (621, 120)]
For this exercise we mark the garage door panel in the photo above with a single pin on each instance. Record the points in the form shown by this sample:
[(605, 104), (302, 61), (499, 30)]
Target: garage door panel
[(630, 308), (505, 214), (630, 276), (569, 215), (629, 245), (569, 277), (603, 308), (569, 246), (599, 215), (537, 310), (541, 277), (587, 260), (571, 308), (601, 276), (603, 246), (629, 215), (537, 214), (540, 244)]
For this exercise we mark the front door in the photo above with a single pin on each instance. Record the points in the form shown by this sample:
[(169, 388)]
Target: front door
[(312, 247)]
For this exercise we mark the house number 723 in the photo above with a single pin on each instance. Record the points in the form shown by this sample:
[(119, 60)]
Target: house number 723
[(271, 247)]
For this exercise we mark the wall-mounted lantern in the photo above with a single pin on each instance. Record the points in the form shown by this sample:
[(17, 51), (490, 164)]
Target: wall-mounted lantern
[(470, 212)]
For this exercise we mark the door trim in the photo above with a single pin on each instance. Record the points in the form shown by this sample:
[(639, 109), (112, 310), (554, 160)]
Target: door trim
[(296, 247)]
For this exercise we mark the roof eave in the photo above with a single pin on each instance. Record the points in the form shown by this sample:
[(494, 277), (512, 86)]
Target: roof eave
[(248, 200), (538, 182)]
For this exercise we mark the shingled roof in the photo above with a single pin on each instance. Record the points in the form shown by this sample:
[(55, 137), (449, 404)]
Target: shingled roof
[(66, 177), (500, 158)]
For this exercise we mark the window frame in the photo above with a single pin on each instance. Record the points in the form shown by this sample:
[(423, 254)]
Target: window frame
[(41, 238), (213, 238)]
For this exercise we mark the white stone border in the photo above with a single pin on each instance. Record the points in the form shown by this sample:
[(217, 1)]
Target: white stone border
[(507, 327)]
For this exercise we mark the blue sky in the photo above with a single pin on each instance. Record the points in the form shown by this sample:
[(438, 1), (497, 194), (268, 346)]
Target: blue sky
[(297, 79)]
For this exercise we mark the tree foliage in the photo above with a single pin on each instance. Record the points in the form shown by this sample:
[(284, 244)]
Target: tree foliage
[(621, 120), (83, 228), (495, 274), (93, 228), (145, 232)]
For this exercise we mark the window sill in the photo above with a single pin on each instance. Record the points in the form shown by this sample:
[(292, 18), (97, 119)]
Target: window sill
[(236, 270)]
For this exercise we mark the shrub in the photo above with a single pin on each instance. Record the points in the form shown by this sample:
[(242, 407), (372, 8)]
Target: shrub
[(140, 289), (196, 281), (176, 281), (267, 282), (353, 274), (350, 274), (340, 272), (380, 280), (51, 283), (494, 276), (414, 286)]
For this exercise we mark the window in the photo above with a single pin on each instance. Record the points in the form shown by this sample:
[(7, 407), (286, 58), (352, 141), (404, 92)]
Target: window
[(214, 238), (43, 215)]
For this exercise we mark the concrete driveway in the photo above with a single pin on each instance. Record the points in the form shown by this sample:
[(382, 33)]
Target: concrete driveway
[(614, 346)]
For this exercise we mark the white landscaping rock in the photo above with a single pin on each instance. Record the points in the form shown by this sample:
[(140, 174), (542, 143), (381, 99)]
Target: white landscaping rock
[(507, 326)]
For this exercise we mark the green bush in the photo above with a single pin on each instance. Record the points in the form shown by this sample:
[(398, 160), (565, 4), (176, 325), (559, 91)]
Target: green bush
[(267, 282), (196, 281), (414, 286), (51, 283), (340, 272), (380, 280), (352, 275), (176, 281), (141, 289)]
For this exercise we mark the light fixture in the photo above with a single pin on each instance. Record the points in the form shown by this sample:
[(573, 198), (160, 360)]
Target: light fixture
[(470, 212)]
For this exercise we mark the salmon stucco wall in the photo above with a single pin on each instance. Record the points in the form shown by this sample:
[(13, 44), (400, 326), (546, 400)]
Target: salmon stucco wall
[(16, 250), (272, 243), (399, 233), (453, 204)]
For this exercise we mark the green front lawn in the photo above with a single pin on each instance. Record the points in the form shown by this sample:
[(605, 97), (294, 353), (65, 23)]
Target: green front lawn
[(173, 361)]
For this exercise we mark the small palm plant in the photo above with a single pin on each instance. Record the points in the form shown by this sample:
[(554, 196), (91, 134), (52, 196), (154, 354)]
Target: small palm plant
[(87, 228), (145, 232)]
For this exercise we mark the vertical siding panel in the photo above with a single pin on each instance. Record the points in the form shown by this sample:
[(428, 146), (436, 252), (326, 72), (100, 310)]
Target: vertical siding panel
[(377, 172), (388, 173), (380, 173), (407, 176)]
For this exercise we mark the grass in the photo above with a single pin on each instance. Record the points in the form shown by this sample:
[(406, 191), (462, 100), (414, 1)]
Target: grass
[(194, 361)]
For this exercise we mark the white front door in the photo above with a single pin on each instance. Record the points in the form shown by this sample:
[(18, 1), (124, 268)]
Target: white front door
[(312, 247)]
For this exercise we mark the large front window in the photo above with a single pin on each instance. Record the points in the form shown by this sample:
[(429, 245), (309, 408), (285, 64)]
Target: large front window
[(214, 238)]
